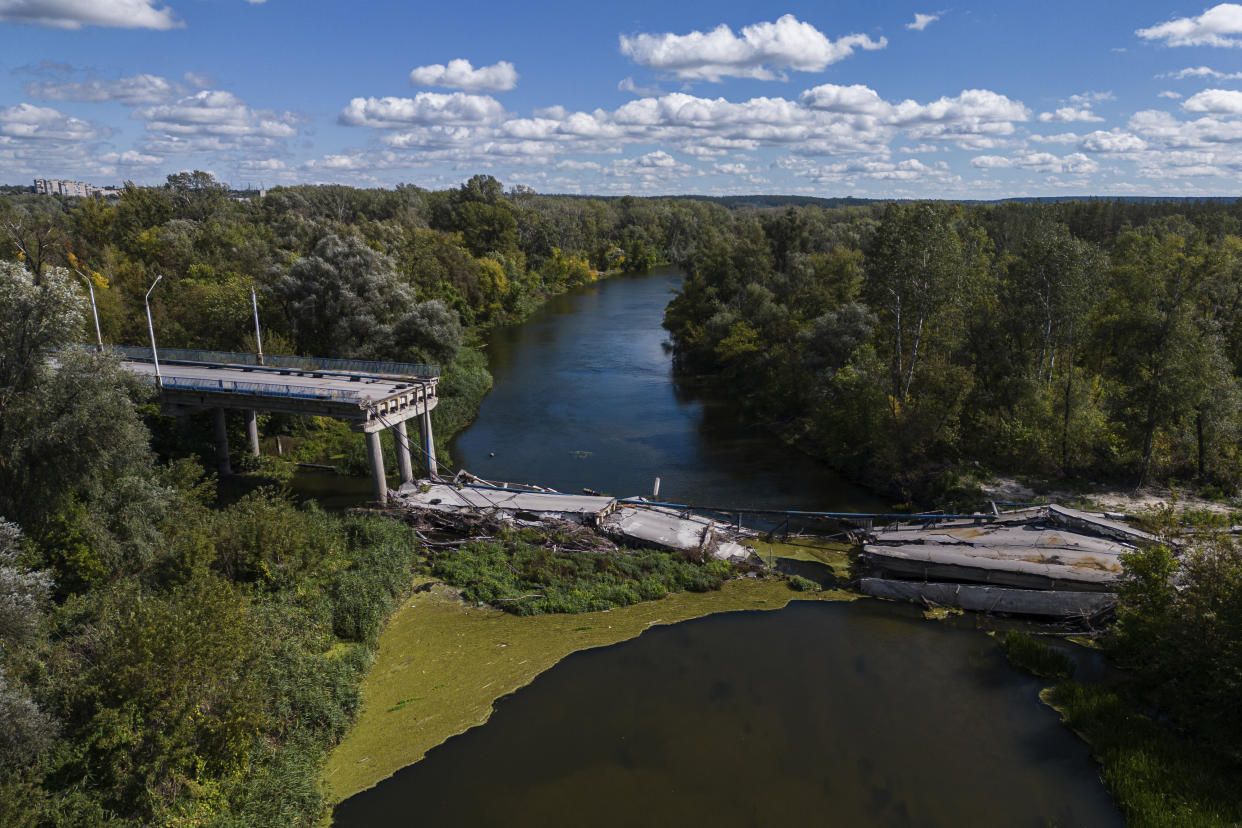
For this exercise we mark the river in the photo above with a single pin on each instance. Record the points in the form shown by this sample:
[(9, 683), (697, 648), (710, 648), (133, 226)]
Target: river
[(855, 714)]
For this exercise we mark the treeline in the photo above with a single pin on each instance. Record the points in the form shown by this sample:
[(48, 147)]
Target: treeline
[(909, 342), (404, 275)]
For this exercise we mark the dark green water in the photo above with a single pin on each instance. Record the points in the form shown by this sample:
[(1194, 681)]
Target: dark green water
[(854, 714), (819, 714), (585, 397)]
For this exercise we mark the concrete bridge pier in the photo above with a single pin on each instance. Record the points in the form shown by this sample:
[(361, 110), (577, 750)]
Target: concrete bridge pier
[(404, 465), (222, 442), (429, 442), (375, 451), (252, 430)]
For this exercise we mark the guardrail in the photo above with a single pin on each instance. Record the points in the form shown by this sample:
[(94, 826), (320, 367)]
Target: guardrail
[(297, 363), (263, 389)]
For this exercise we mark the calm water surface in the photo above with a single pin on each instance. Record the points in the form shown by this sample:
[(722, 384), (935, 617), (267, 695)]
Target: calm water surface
[(819, 714), (823, 714), (585, 397)]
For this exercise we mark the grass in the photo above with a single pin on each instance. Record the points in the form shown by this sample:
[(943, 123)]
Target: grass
[(1036, 657), (459, 658), (1157, 778)]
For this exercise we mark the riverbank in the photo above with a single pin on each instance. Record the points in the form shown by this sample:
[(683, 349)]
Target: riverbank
[(442, 664)]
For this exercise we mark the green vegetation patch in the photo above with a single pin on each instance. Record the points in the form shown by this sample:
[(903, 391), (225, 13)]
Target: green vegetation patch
[(1156, 777), (519, 573), (459, 658), (1035, 656)]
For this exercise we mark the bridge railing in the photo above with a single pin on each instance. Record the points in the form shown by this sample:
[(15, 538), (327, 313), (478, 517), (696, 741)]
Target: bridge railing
[(296, 363), (263, 389)]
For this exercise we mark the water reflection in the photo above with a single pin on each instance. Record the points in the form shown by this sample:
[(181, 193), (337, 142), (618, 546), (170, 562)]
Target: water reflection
[(584, 397)]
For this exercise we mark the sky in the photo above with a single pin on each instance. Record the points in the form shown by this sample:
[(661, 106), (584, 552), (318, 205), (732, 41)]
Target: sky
[(885, 99)]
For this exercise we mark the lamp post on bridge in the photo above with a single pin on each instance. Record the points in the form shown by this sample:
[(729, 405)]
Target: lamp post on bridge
[(94, 309), (146, 300)]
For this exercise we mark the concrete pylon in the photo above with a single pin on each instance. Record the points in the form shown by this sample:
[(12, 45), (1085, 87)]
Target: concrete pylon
[(429, 441), (221, 429), (375, 452), (402, 439), (252, 430)]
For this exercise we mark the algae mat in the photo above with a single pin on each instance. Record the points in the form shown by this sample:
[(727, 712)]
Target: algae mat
[(441, 664)]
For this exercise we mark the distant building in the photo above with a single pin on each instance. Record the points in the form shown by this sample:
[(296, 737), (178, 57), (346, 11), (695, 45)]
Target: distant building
[(80, 189)]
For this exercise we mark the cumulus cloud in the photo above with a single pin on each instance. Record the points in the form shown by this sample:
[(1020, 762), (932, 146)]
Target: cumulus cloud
[(967, 118), (1200, 72), (922, 21), (460, 74), (1069, 114), (131, 91), (1044, 162), (1215, 102), (74, 14), (1113, 142), (1170, 94), (28, 122), (1218, 26), (213, 121), (423, 108), (761, 52)]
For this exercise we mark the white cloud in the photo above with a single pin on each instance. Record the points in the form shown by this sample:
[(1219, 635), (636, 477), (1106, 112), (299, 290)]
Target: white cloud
[(1112, 142), (1218, 26), (1044, 162), (1092, 97), (1170, 94), (1215, 101), (761, 52), (74, 14), (1200, 72), (973, 112), (425, 108), (213, 121), (1069, 114), (460, 74), (28, 122), (131, 91), (628, 85), (922, 21), (130, 158), (1058, 138)]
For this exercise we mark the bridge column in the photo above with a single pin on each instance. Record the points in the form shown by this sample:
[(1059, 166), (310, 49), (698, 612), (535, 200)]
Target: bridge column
[(376, 452), (222, 442), (252, 431), (402, 438), (429, 441)]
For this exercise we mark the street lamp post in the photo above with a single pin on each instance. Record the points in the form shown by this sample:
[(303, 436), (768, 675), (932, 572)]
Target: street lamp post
[(94, 309), (146, 300), (258, 338)]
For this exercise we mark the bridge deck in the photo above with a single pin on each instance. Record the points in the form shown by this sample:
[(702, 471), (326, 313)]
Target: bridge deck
[(372, 403)]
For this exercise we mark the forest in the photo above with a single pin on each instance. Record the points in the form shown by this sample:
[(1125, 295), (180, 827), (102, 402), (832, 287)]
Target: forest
[(177, 652), (919, 345)]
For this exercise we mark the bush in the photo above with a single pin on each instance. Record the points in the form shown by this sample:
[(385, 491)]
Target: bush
[(525, 579)]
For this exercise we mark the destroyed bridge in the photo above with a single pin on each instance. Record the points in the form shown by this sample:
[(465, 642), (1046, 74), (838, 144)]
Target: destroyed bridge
[(371, 396)]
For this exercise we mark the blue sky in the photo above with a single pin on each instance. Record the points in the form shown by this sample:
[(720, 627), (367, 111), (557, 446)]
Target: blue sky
[(887, 100)]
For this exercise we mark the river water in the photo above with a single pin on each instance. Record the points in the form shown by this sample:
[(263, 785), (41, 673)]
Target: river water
[(855, 714)]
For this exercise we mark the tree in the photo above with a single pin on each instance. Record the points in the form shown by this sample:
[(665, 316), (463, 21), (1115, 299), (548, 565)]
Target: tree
[(1162, 358), (922, 272), (346, 300)]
